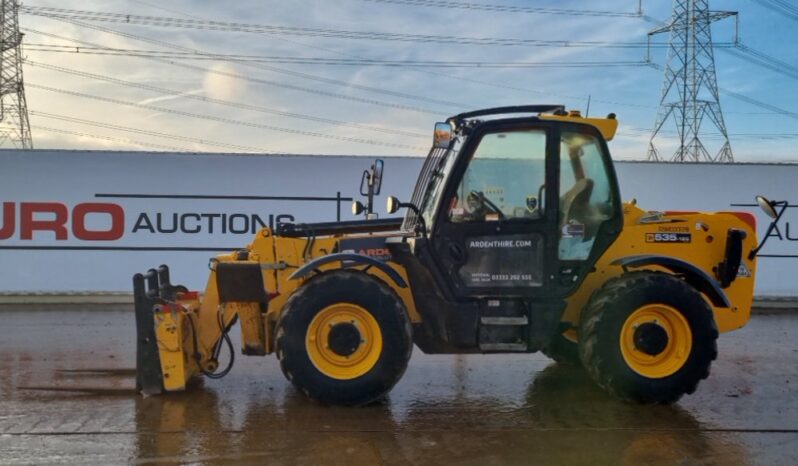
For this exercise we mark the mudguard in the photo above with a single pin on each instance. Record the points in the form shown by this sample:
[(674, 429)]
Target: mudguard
[(693, 275), (348, 259)]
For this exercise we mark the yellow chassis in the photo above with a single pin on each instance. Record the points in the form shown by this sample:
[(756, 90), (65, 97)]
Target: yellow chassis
[(188, 327)]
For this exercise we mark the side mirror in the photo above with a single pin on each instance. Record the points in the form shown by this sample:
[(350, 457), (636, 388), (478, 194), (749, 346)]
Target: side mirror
[(370, 186), (442, 135), (767, 206), (392, 205), (376, 176), (357, 208)]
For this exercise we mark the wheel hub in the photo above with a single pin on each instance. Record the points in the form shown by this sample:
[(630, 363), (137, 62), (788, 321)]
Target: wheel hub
[(650, 338), (344, 339), (656, 340)]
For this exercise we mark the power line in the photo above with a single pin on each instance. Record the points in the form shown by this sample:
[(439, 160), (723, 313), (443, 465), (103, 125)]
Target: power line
[(749, 100), (225, 120), (744, 52), (370, 89), (764, 60), (426, 71), (760, 104), (303, 75), (780, 6), (492, 7), (447, 75), (239, 105), (766, 136), (160, 21), (417, 70), (239, 76), (175, 137), (110, 138), (327, 61), (312, 77), (551, 43), (767, 61)]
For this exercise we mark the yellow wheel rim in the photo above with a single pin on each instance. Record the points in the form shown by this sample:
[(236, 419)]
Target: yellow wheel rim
[(656, 341), (344, 341)]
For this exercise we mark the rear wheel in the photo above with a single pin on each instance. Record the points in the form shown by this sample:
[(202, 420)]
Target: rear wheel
[(648, 337), (344, 338)]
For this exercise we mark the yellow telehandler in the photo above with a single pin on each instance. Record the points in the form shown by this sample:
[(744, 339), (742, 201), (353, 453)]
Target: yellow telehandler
[(515, 240)]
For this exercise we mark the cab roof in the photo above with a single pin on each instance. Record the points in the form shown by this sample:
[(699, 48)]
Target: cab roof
[(606, 126)]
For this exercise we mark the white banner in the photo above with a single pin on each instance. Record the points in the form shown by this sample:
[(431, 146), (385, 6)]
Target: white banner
[(75, 221)]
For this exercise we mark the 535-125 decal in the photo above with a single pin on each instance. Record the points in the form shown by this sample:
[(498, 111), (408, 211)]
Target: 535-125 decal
[(668, 237)]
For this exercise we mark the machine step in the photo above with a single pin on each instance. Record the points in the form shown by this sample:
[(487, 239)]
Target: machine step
[(504, 320), (503, 346)]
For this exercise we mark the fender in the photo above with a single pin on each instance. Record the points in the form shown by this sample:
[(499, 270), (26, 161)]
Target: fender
[(693, 275), (347, 259)]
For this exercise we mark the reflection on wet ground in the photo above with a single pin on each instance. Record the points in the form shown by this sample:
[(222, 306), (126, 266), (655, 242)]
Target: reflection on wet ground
[(66, 396)]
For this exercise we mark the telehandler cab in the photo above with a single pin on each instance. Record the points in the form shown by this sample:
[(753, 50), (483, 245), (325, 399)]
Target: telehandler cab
[(515, 240)]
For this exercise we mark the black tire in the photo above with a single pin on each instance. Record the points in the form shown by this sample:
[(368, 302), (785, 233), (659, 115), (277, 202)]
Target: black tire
[(379, 300), (600, 336), (562, 351)]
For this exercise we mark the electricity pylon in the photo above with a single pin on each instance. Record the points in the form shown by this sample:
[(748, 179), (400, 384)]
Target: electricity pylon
[(14, 124), (690, 89)]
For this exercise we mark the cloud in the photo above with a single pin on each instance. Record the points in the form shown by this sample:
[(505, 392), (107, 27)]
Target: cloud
[(171, 97), (218, 84)]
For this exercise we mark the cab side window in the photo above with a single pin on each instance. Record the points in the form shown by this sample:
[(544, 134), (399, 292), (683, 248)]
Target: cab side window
[(504, 180), (585, 194)]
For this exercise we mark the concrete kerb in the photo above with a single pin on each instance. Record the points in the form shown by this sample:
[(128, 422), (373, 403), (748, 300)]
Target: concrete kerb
[(79, 298)]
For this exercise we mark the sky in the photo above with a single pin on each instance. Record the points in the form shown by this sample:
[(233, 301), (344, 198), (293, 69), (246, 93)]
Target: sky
[(128, 102)]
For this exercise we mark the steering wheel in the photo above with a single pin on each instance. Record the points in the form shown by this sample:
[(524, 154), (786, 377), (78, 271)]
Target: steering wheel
[(574, 204), (485, 202)]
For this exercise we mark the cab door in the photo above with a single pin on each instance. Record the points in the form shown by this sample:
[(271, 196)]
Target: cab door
[(495, 232)]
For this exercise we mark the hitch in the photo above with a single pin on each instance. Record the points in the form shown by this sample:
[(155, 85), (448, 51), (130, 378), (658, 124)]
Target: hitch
[(167, 354), (180, 335), (150, 290)]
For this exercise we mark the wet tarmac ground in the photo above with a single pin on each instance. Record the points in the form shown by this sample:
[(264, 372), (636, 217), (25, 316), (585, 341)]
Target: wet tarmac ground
[(67, 397)]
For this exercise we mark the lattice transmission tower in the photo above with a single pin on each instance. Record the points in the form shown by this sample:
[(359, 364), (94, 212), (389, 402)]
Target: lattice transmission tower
[(14, 124), (690, 89)]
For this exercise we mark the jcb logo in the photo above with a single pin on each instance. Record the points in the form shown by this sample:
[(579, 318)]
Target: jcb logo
[(54, 217)]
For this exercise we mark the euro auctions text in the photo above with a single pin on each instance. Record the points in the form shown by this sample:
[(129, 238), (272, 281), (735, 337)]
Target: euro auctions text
[(104, 221)]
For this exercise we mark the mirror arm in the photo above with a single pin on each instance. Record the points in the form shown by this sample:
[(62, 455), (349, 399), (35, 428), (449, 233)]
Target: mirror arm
[(783, 205), (421, 222), (420, 218), (370, 204)]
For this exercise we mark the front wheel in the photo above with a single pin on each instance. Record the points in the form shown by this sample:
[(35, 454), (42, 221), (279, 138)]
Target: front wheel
[(648, 337), (344, 338)]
